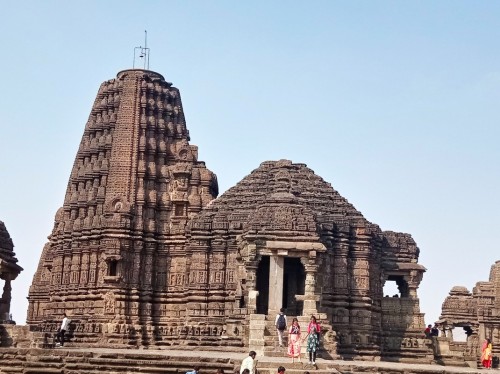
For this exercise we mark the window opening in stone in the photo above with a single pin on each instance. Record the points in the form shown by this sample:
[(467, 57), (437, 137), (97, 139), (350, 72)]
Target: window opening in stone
[(459, 334), (395, 286), (263, 285), (113, 265), (293, 284)]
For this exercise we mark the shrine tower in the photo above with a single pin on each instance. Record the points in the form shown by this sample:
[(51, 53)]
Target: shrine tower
[(135, 182)]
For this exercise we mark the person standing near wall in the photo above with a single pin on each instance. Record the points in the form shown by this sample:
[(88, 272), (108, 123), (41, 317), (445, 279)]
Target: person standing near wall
[(487, 353)]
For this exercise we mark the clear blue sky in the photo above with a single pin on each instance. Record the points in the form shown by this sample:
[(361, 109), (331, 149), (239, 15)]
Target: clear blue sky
[(396, 104)]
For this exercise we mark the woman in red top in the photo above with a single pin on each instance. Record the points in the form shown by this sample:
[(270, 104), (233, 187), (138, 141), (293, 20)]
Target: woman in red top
[(313, 331)]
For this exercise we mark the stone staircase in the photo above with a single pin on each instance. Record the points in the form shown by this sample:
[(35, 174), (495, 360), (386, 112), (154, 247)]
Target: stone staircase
[(271, 343), (296, 368), (62, 361), (128, 361)]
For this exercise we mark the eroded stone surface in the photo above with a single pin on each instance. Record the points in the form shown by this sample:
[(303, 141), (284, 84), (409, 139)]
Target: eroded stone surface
[(476, 313), (9, 270), (143, 254)]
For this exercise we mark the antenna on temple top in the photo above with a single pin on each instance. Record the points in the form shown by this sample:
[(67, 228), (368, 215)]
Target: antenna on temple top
[(143, 53)]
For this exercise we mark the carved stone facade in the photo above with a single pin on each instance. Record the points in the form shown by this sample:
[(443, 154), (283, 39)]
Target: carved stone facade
[(142, 254), (9, 270), (476, 312)]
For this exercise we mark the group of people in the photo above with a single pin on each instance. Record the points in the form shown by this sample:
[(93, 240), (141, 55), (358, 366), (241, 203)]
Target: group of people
[(431, 331), (486, 348), (295, 338)]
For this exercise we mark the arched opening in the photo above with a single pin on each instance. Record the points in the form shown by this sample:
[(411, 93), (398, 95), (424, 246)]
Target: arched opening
[(293, 284), (263, 285)]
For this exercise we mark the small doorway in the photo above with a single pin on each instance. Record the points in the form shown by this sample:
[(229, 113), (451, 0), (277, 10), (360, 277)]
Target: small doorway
[(293, 284), (263, 285)]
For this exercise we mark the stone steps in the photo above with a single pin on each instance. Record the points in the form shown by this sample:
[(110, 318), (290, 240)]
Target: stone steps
[(63, 360), (113, 361), (296, 368)]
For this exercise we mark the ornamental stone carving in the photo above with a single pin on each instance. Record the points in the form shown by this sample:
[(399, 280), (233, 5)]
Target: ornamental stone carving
[(144, 253)]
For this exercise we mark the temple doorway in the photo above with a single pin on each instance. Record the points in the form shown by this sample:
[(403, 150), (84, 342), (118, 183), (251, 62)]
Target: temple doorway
[(293, 284), (263, 285)]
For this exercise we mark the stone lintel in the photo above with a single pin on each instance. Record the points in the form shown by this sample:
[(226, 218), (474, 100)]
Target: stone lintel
[(295, 246), (401, 266), (307, 297), (282, 252)]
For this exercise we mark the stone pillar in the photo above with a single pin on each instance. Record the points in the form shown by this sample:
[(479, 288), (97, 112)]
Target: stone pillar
[(251, 285), (310, 297), (256, 334), (5, 300), (276, 270)]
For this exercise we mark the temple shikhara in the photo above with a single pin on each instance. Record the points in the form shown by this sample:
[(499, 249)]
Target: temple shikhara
[(144, 253)]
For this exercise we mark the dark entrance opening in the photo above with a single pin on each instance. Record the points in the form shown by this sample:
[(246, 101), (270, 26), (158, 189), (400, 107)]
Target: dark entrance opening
[(294, 280), (263, 285)]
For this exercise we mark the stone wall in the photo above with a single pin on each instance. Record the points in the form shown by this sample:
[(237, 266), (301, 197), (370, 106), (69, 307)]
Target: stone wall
[(476, 313)]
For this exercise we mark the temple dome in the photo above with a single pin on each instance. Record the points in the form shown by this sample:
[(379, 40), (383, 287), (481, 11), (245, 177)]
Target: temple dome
[(286, 192), (459, 291)]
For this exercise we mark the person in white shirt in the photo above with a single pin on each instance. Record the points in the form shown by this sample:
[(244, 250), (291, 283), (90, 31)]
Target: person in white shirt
[(281, 325), (62, 330), (249, 363)]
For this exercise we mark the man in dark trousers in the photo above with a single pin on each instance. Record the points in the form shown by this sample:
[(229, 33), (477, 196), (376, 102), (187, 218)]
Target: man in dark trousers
[(62, 330)]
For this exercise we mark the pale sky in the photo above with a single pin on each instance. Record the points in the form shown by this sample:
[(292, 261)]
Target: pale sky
[(395, 103)]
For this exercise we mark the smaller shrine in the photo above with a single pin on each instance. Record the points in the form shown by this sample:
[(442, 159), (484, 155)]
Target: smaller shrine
[(9, 270), (477, 314)]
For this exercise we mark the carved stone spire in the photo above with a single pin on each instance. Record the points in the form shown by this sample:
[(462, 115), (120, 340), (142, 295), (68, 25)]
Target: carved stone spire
[(135, 183)]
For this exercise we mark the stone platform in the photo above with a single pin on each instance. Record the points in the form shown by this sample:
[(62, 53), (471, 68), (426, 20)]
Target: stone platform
[(114, 361)]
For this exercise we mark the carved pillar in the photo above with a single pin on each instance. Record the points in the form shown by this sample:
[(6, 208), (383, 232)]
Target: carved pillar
[(249, 270), (251, 287), (5, 300), (310, 298), (276, 270)]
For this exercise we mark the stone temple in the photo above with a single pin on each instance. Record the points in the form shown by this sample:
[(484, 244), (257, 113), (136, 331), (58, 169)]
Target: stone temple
[(476, 313), (9, 270), (143, 253)]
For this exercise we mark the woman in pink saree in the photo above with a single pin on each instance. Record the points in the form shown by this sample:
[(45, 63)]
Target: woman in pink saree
[(294, 340)]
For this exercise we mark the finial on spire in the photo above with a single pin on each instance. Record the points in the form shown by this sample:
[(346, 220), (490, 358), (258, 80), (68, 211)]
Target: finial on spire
[(143, 52)]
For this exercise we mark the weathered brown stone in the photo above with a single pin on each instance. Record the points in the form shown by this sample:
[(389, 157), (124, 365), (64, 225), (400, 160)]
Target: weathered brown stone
[(143, 254), (9, 270), (477, 313)]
